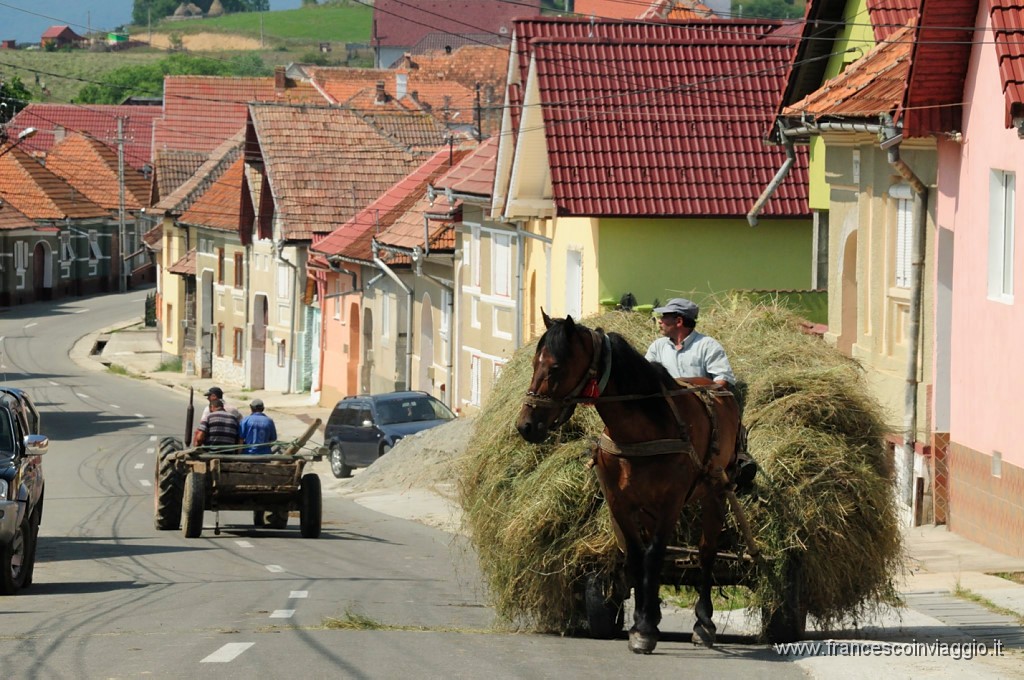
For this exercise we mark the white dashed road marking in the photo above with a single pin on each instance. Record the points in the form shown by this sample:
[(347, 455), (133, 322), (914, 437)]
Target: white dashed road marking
[(275, 568), (82, 396), (81, 311), (114, 406), (243, 544), (283, 614), (138, 466), (150, 450), (145, 482), (51, 382), (139, 415), (151, 426), (29, 325), (228, 652), (152, 437), (298, 594)]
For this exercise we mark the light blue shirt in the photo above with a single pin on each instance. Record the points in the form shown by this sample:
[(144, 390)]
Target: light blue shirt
[(700, 357)]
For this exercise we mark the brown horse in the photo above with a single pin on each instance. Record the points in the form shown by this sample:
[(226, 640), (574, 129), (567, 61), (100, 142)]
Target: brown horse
[(665, 444)]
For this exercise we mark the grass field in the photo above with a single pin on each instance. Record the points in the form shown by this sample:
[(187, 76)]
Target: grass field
[(65, 73), (348, 23)]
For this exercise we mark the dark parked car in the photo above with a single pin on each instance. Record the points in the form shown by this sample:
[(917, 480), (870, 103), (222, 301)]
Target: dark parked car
[(21, 488), (362, 429)]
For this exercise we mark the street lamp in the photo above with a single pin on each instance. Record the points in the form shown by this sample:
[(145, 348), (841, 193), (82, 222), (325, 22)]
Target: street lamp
[(22, 136)]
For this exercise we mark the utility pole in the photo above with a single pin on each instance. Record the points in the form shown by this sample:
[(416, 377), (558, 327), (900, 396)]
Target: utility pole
[(123, 270), (261, 30), (149, 22)]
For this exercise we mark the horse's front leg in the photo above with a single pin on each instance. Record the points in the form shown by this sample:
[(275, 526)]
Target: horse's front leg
[(712, 519), (646, 571)]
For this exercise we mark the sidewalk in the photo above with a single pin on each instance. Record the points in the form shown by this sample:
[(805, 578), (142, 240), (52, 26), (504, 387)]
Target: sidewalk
[(939, 562)]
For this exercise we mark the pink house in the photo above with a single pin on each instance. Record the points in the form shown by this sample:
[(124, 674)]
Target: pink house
[(980, 276)]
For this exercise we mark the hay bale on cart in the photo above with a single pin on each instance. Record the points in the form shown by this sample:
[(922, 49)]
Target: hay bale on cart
[(823, 512)]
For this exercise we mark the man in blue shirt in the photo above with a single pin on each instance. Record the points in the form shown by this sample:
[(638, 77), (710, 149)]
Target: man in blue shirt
[(685, 353), (258, 430)]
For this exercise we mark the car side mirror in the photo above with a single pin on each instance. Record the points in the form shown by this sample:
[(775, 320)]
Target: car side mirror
[(37, 443), (367, 423)]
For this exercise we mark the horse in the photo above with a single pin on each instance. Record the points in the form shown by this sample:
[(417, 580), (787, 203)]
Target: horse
[(665, 444)]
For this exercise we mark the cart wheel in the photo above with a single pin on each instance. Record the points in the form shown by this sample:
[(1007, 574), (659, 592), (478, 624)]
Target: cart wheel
[(194, 504), (310, 506), (277, 518), (788, 623), (169, 486), (605, 613), (338, 467)]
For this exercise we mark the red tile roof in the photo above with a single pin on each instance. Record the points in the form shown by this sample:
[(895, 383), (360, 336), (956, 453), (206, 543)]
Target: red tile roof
[(54, 121), (1008, 25), (58, 31), (200, 112), (30, 188), (889, 16), (220, 206), (92, 168), (400, 23), (352, 239), (872, 85), (408, 231), (682, 135), (475, 174), (324, 164)]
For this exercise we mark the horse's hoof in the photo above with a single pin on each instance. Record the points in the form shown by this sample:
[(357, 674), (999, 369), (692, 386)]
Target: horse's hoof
[(640, 643), (704, 635)]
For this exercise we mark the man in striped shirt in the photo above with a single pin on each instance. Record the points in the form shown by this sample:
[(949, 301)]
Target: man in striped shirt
[(219, 429)]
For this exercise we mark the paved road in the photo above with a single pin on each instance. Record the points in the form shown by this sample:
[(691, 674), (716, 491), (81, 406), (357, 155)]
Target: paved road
[(113, 597)]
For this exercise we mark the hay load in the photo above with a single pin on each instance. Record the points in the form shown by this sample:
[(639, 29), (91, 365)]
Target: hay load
[(824, 495)]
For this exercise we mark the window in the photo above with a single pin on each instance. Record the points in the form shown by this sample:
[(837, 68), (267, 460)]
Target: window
[(66, 252), (220, 339), (385, 316), (474, 380), (94, 246), (20, 255), (284, 288), (904, 235), (501, 272), (236, 353), (1001, 227), (474, 264), (239, 271), (282, 356), (573, 282), (220, 265), (337, 298)]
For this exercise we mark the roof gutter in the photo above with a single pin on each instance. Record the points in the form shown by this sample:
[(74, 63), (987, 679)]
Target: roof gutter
[(787, 135)]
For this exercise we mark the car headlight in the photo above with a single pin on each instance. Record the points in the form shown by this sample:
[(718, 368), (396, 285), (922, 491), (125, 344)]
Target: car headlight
[(3, 489)]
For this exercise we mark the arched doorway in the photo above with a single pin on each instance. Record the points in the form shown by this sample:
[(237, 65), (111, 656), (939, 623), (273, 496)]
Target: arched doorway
[(42, 271), (426, 344), (352, 359)]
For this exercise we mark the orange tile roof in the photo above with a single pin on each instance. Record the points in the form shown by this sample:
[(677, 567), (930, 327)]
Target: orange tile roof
[(467, 66), (677, 10), (215, 163), (220, 206), (352, 239), (154, 238), (38, 193), (475, 174), (172, 168), (872, 85), (91, 167), (608, 9), (324, 164), (409, 231), (12, 219), (186, 266)]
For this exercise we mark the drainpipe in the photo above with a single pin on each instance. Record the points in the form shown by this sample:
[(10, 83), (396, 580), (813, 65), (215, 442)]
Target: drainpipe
[(455, 335), (338, 269), (279, 249), (780, 174), (522, 235), (375, 247), (891, 144)]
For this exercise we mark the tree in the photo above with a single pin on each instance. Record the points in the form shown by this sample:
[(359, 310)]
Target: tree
[(14, 97), (147, 80)]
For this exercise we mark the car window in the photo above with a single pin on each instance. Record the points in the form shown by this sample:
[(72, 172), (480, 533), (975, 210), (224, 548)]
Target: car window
[(412, 409), (6, 436), (362, 415)]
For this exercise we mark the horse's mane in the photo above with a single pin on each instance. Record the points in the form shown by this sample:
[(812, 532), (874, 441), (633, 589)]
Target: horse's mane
[(634, 374)]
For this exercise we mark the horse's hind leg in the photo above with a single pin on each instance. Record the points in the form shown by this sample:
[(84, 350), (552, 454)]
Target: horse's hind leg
[(712, 519)]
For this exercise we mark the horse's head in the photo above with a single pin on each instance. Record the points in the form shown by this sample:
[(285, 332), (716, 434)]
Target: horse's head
[(563, 364)]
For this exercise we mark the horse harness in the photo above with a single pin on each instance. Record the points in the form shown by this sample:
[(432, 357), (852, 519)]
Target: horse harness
[(590, 386)]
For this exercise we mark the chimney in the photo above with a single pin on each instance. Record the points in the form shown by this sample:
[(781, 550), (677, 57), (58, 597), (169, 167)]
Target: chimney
[(58, 133), (408, 63), (280, 79), (401, 83), (382, 96)]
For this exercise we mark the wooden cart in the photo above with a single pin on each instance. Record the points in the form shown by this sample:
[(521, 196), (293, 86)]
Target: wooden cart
[(190, 481)]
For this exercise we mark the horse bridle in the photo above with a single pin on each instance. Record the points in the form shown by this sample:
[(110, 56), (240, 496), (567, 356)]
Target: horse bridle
[(590, 385)]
